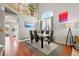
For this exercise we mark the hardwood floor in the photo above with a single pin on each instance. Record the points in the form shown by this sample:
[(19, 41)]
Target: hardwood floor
[(67, 51), (15, 48)]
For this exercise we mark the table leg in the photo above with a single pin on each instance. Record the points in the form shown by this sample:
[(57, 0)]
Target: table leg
[(41, 42)]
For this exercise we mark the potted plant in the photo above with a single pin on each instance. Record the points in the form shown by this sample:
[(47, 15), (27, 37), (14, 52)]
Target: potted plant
[(31, 9)]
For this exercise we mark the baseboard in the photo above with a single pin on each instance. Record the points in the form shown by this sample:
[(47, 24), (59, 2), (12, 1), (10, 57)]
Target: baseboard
[(21, 40), (62, 42)]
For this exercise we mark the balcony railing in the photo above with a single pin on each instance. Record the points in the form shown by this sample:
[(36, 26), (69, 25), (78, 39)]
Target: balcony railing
[(20, 8)]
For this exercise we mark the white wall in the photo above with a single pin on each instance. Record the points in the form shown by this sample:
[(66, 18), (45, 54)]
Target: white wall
[(60, 30), (24, 32), (11, 19)]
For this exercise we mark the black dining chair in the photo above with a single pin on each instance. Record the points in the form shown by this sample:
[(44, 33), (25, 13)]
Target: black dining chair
[(47, 32), (36, 36), (31, 36), (50, 38), (42, 31)]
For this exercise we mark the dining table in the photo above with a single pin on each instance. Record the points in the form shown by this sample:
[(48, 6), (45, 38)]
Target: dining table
[(43, 36)]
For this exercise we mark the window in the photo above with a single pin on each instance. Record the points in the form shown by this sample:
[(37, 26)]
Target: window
[(47, 14)]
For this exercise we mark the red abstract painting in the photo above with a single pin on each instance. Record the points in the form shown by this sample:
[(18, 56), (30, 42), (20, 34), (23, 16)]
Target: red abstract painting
[(63, 16)]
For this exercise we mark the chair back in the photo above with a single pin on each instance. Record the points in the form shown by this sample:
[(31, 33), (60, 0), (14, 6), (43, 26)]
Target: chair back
[(36, 36), (30, 32), (42, 31), (35, 33), (31, 35), (47, 32)]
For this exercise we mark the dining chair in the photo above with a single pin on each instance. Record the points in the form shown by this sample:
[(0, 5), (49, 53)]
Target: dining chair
[(47, 37), (50, 38), (36, 36), (31, 36), (42, 31), (47, 32)]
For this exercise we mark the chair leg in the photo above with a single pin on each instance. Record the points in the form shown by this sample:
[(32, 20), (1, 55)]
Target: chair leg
[(36, 39), (41, 43), (48, 42)]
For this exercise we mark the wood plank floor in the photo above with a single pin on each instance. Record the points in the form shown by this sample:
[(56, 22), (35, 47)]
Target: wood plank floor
[(67, 51), (15, 48)]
